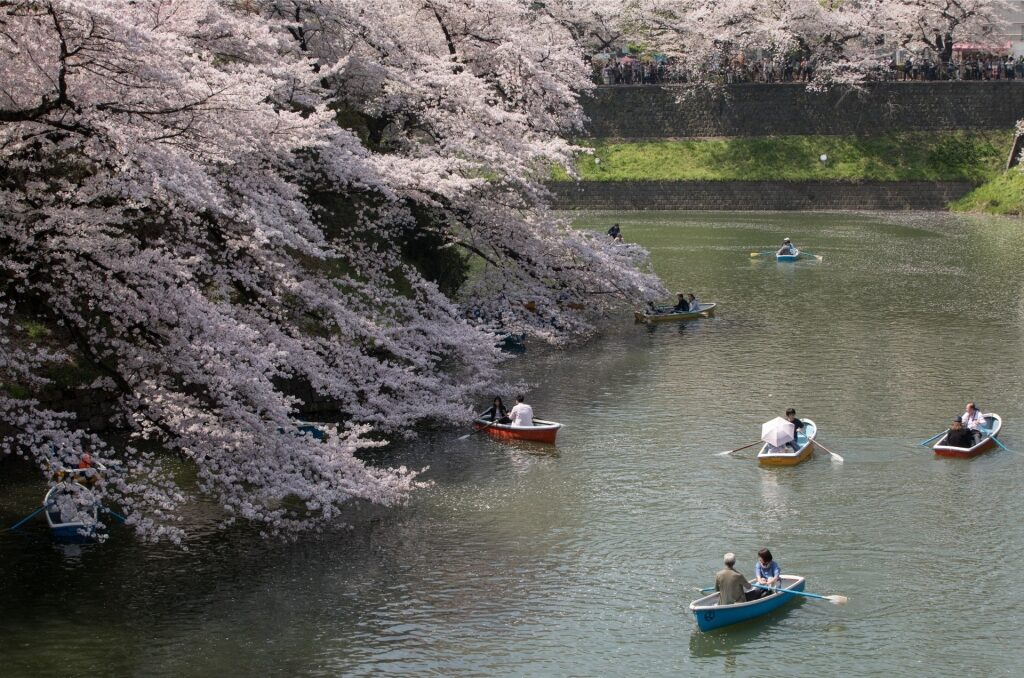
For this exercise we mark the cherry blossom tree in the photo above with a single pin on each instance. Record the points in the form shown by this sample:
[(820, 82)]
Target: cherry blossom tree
[(938, 25), (216, 206), (841, 38)]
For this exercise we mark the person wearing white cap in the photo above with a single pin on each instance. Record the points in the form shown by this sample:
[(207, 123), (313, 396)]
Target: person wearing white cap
[(729, 583), (787, 247)]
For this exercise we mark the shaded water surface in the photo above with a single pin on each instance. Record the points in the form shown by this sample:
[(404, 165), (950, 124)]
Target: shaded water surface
[(580, 559)]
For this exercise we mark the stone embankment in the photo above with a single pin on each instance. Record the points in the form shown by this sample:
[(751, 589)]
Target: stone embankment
[(754, 110), (757, 195)]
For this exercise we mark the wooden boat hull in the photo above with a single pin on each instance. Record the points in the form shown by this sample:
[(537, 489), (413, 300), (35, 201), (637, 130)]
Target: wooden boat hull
[(709, 615), (541, 432), (787, 257), (706, 311), (773, 457), (994, 424)]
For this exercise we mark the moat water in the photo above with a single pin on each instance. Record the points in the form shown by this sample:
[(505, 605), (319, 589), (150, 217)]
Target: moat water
[(580, 559)]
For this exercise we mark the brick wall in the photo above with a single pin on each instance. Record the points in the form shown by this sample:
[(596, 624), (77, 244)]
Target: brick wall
[(649, 111), (755, 195)]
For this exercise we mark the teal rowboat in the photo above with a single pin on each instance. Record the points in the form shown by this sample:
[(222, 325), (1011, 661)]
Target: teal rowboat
[(710, 615)]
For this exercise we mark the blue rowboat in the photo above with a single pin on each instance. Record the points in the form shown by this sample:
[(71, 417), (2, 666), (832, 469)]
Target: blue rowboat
[(788, 257), (72, 510), (710, 615)]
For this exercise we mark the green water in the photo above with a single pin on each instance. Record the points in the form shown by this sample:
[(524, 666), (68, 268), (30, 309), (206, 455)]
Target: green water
[(580, 559)]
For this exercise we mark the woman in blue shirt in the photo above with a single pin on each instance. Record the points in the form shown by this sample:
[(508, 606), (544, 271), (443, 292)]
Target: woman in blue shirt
[(767, 572)]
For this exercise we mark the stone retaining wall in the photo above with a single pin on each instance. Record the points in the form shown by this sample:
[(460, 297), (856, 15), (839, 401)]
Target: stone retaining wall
[(655, 111), (755, 195)]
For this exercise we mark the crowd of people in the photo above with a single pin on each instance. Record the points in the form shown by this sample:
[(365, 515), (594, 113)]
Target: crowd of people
[(633, 70)]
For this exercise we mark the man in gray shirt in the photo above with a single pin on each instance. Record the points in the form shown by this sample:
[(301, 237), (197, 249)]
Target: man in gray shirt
[(729, 583)]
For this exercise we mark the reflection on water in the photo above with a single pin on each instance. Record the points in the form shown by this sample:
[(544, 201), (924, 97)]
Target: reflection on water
[(580, 559)]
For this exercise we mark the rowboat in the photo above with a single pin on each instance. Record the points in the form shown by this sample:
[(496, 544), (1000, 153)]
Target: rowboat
[(788, 257), (710, 615), (787, 456), (664, 314), (541, 432), (72, 509), (993, 424)]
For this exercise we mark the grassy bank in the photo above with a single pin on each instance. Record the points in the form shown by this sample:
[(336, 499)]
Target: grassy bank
[(932, 156), (1002, 195)]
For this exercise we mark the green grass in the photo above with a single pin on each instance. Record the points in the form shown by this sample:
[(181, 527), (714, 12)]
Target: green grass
[(1002, 195), (931, 156)]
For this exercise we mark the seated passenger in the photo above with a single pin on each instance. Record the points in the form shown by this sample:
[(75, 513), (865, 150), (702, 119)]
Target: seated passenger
[(797, 425), (682, 305), (973, 419), (694, 303), (787, 247), (497, 412), (958, 436), (522, 414), (729, 583)]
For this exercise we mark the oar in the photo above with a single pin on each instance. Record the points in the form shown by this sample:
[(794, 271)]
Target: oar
[(27, 518), (727, 452), (1000, 444), (933, 438), (479, 430), (835, 457), (819, 257), (835, 600)]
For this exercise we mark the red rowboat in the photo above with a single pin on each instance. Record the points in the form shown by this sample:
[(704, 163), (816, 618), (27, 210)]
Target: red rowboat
[(993, 424), (541, 431)]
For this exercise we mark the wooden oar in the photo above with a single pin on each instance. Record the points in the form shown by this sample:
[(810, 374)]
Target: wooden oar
[(835, 600), (479, 430), (835, 457), (819, 257), (727, 452), (933, 438)]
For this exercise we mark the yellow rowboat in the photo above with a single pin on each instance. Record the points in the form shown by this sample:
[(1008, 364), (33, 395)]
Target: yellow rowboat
[(787, 456)]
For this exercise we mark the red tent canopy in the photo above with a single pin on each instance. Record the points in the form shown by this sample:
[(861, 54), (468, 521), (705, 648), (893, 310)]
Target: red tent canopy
[(981, 47)]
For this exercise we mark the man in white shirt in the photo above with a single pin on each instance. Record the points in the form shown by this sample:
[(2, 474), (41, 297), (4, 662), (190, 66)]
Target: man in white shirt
[(973, 418), (522, 414)]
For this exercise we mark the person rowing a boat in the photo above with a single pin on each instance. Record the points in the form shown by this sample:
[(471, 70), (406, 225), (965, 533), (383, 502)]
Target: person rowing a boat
[(767, 572), (730, 584), (787, 247), (797, 425), (959, 436), (522, 414), (682, 305), (497, 412)]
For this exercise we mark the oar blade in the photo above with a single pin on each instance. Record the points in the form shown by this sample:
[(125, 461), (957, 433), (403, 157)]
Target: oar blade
[(726, 453), (464, 437), (755, 254), (837, 458), (837, 600)]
